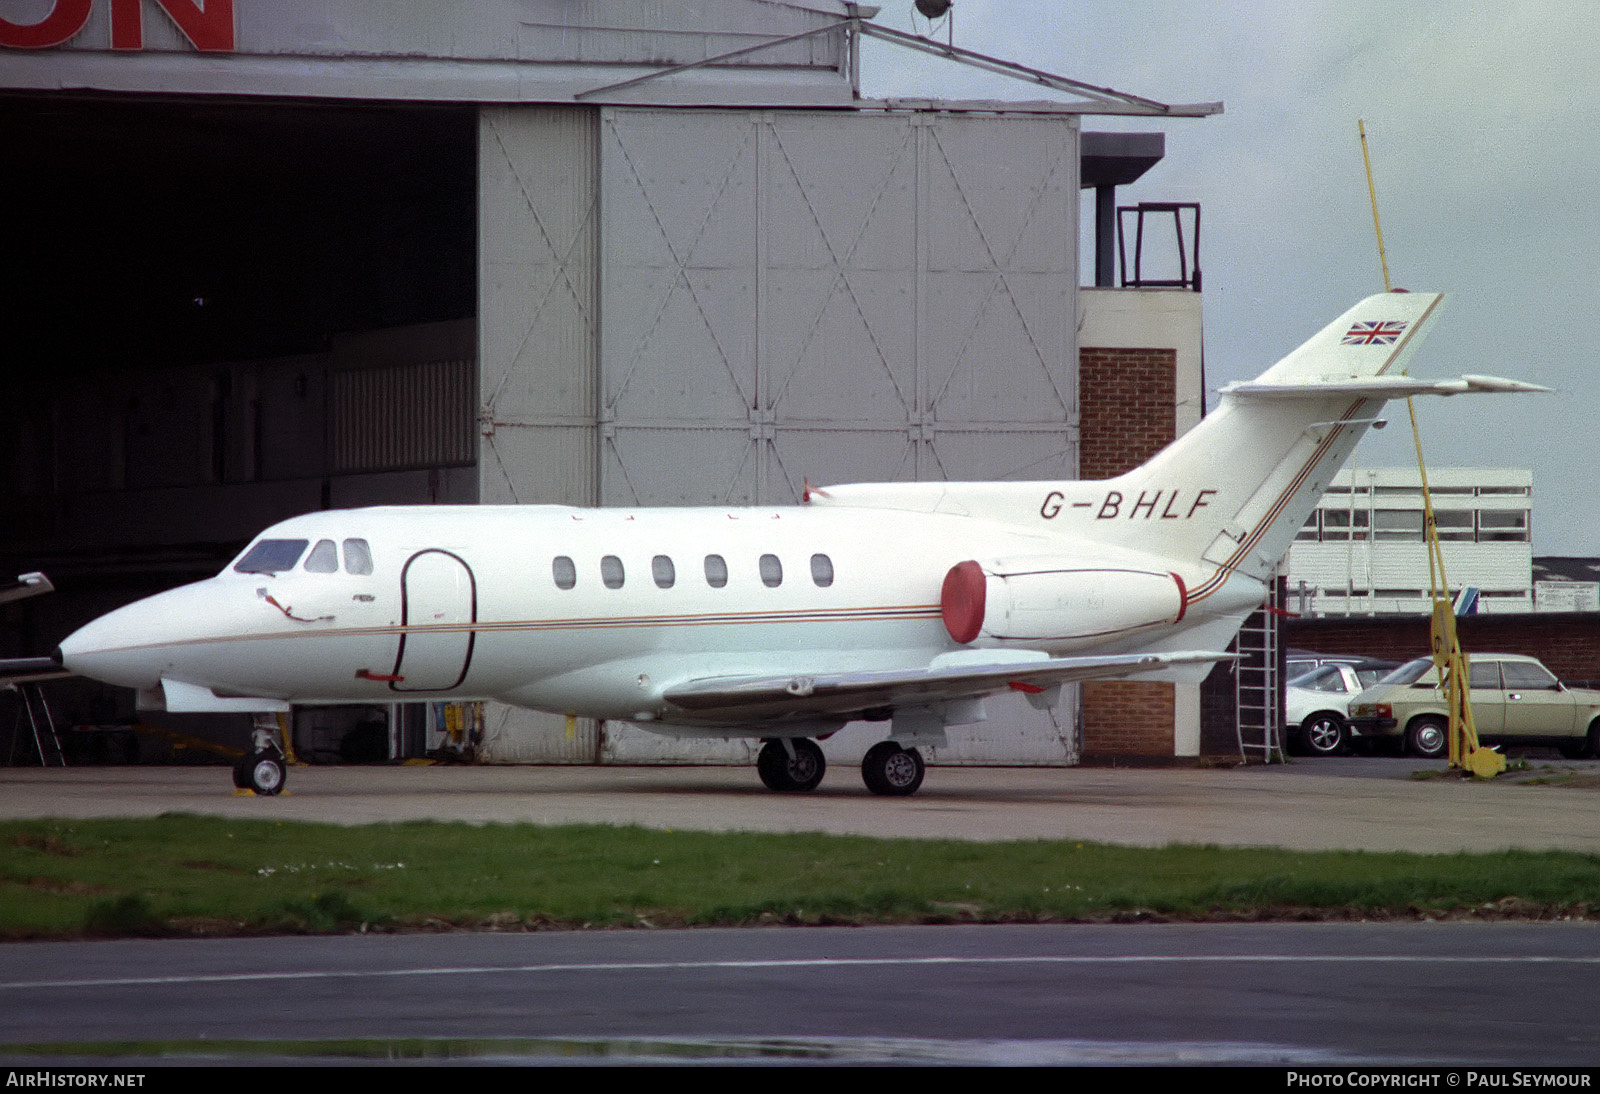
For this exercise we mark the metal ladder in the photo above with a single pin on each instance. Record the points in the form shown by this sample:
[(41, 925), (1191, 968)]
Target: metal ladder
[(41, 724), (1258, 686)]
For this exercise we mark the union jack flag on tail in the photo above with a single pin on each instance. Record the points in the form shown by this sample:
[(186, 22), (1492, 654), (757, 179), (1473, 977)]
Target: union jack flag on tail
[(1380, 332)]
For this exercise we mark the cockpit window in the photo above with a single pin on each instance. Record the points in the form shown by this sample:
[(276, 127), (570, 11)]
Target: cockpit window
[(323, 559), (357, 557), (271, 556)]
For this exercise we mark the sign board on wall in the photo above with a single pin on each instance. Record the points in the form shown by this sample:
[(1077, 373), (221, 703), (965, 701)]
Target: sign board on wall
[(207, 25)]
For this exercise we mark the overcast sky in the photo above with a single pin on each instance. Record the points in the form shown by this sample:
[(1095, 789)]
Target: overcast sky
[(1484, 129)]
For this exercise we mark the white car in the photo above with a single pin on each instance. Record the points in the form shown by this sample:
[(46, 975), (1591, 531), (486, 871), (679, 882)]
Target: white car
[(1317, 703)]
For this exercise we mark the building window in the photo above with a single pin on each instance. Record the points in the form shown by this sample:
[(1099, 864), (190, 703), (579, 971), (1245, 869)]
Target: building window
[(1341, 524), (1502, 526), (1397, 524), (611, 575), (564, 571), (1453, 524)]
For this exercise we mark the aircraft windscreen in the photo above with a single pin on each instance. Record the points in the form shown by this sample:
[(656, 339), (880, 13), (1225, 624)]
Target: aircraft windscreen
[(271, 555)]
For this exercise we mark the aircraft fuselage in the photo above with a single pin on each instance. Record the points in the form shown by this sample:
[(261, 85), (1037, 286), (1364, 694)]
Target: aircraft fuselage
[(599, 612)]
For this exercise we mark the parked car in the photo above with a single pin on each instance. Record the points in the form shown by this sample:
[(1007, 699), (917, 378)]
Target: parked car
[(1316, 703), (1299, 662), (1515, 700)]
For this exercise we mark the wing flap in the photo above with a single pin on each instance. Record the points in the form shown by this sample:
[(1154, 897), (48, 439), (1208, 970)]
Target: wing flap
[(847, 693)]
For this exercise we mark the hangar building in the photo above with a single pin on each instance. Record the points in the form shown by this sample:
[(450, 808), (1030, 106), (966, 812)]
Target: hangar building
[(266, 258)]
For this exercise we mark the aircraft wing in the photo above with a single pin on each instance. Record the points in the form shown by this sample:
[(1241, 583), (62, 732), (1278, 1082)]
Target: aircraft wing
[(23, 586), (30, 670), (846, 693)]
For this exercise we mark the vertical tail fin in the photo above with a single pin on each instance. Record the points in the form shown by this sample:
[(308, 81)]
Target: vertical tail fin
[(1234, 490)]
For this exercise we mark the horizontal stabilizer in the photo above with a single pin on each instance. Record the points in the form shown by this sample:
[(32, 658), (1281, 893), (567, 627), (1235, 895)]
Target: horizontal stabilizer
[(1380, 387), (848, 693)]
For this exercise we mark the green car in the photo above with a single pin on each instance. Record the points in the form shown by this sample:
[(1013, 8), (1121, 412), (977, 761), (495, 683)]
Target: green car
[(1515, 700)]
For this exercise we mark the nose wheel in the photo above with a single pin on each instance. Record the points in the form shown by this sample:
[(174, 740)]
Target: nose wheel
[(891, 770), (263, 772), (791, 764)]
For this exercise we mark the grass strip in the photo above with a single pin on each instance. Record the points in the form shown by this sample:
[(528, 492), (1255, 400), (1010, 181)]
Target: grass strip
[(188, 875)]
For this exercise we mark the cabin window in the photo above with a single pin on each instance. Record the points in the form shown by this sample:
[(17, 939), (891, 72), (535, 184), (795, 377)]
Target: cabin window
[(323, 559), (564, 571), (822, 570), (771, 571), (716, 571), (271, 556), (663, 571), (611, 574), (357, 557)]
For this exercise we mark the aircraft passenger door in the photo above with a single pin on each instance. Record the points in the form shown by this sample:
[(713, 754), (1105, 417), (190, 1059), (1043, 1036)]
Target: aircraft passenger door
[(439, 599)]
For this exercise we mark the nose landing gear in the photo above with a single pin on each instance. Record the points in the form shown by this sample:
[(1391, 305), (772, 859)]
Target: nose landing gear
[(263, 769)]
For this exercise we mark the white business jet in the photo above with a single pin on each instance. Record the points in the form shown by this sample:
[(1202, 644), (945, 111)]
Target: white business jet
[(905, 603)]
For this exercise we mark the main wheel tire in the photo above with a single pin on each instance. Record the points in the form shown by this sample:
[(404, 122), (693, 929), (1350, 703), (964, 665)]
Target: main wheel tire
[(267, 774), (241, 774), (1323, 734), (798, 774), (1428, 738), (891, 770)]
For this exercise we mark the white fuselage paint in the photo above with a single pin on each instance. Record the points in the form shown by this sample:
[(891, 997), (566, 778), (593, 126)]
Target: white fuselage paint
[(470, 594)]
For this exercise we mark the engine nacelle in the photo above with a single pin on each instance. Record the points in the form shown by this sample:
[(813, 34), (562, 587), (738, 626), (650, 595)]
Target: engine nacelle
[(1046, 601)]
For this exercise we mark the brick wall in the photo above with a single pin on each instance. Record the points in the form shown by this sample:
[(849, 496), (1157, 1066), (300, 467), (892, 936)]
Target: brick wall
[(1127, 718), (1568, 644), (1127, 412), (1127, 408)]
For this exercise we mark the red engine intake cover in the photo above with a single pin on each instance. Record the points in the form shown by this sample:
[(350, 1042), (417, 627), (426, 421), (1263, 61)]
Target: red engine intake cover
[(963, 599)]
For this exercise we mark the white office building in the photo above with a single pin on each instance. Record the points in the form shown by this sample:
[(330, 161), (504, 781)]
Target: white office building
[(1362, 552)]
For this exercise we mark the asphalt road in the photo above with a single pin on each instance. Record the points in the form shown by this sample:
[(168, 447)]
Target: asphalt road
[(1372, 804), (1510, 994), (1313, 994)]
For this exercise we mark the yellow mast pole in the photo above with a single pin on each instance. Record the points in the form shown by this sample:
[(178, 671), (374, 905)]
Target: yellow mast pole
[(1449, 661)]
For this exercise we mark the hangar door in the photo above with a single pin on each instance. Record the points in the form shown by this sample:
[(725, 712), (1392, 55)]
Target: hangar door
[(791, 295), (840, 297), (684, 307)]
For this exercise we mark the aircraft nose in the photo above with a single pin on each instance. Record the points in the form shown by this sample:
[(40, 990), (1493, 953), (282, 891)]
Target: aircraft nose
[(124, 647)]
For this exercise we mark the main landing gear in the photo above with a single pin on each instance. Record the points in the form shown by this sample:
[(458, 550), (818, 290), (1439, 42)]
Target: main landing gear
[(891, 770), (791, 764), (796, 764)]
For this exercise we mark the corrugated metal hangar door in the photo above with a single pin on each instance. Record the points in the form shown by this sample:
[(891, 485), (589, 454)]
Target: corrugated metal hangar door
[(784, 296)]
